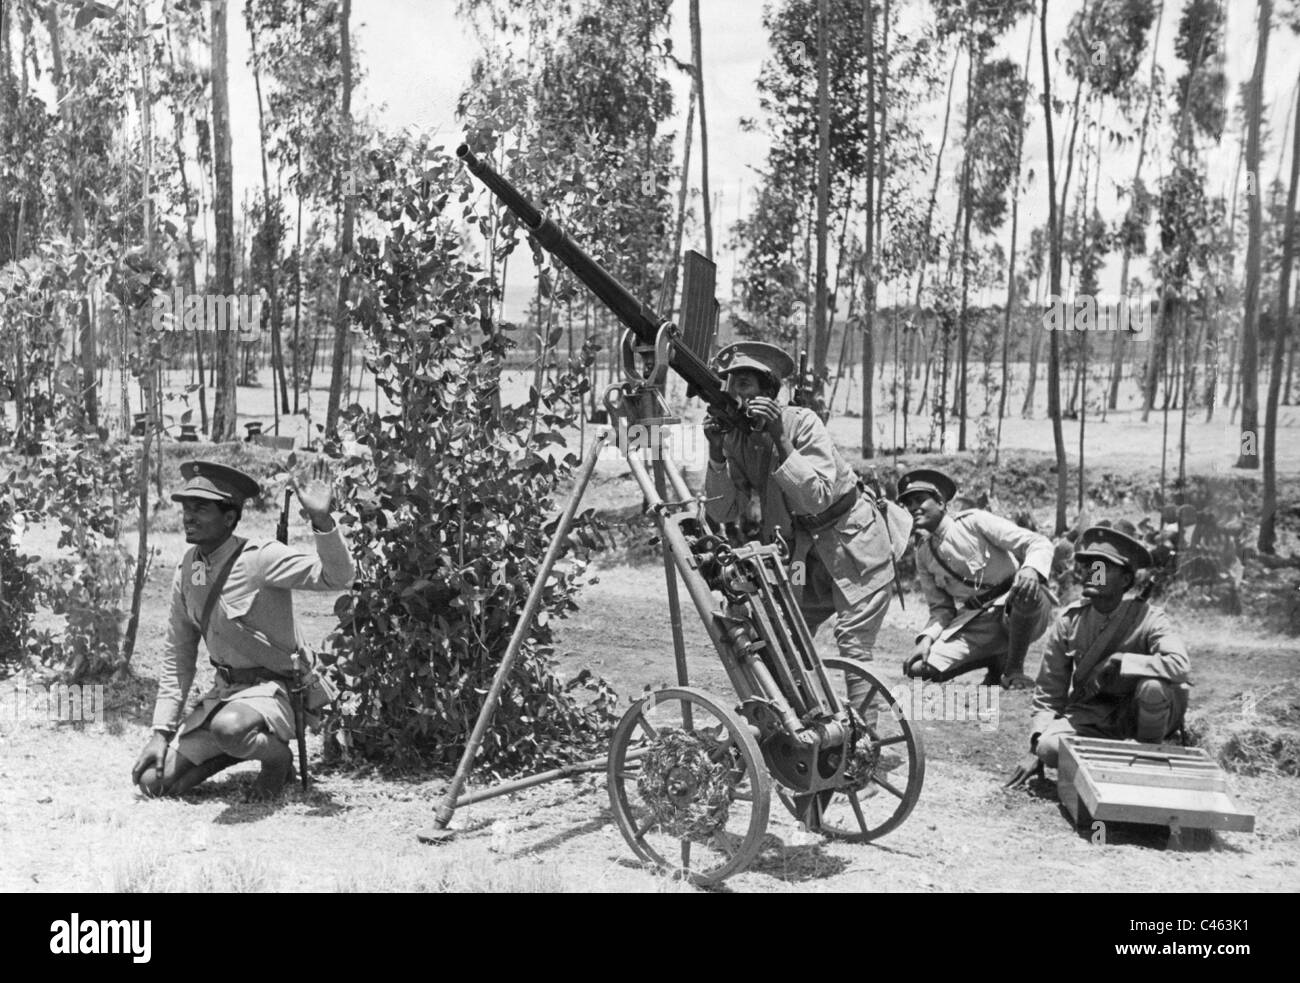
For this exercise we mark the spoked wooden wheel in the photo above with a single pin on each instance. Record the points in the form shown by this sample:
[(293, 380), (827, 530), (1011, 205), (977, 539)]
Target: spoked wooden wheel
[(688, 785), (885, 774)]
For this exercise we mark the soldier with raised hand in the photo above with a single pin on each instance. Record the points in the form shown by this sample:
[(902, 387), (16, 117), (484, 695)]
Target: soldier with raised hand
[(1114, 666), (804, 490), (985, 579), (237, 595)]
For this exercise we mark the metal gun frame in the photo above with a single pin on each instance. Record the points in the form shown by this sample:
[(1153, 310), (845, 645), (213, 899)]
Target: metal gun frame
[(690, 777)]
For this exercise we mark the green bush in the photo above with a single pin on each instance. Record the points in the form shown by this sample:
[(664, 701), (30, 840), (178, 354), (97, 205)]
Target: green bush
[(446, 506)]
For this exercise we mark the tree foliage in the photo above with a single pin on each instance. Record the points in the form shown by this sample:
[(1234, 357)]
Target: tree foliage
[(997, 114), (446, 507)]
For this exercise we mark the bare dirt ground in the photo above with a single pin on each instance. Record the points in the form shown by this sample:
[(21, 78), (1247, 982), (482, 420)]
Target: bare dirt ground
[(70, 821)]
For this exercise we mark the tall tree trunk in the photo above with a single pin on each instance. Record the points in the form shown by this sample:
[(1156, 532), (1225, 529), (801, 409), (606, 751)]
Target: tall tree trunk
[(1117, 354), (668, 293), (697, 56), (341, 334), (869, 257), (821, 338), (1157, 361), (271, 243), (883, 138), (148, 368), (1268, 507), (188, 264), (226, 410), (85, 325), (1249, 457), (1009, 309), (934, 186), (1054, 266), (1035, 350), (972, 72), (1290, 368)]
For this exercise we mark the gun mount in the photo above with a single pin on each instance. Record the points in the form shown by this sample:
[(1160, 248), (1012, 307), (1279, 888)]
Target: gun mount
[(691, 776)]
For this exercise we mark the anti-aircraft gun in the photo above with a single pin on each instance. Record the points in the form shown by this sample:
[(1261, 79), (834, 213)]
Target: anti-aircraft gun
[(691, 775)]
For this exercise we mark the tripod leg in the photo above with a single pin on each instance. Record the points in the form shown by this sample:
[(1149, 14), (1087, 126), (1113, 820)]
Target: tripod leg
[(446, 807), (674, 603)]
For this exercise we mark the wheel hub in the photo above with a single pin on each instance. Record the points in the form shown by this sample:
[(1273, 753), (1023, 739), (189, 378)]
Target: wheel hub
[(689, 792)]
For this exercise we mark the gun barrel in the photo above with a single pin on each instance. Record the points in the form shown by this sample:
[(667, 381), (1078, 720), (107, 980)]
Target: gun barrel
[(644, 322)]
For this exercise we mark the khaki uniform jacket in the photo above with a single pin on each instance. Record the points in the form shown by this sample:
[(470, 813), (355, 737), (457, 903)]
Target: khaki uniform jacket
[(1081, 640), (984, 548), (855, 550), (252, 623)]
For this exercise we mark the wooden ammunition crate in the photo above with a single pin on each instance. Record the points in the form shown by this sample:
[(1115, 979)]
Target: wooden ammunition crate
[(1162, 784)]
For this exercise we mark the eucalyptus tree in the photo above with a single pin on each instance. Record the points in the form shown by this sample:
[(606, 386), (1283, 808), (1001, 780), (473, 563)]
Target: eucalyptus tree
[(225, 408), (1249, 456), (342, 325), (1199, 110), (1267, 542), (983, 181), (880, 152), (1132, 232), (993, 141), (299, 68), (1054, 279)]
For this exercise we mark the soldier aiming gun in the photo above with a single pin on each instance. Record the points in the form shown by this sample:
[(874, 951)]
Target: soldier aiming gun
[(236, 595), (786, 460)]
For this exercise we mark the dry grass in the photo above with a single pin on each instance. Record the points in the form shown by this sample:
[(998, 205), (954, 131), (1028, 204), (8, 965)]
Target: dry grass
[(153, 873), (1256, 733)]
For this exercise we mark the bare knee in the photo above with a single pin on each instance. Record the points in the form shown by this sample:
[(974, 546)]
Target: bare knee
[(231, 729)]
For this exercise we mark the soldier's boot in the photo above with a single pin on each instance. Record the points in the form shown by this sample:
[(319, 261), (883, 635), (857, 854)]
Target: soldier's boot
[(1155, 710), (1020, 635)]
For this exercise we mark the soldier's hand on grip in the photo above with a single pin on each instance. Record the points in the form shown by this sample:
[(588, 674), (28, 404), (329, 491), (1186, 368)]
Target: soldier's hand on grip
[(766, 414), (714, 432)]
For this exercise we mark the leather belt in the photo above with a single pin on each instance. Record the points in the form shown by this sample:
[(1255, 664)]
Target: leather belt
[(828, 517), (249, 675), (985, 597)]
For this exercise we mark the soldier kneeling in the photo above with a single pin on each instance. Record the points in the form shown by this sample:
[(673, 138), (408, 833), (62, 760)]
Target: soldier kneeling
[(236, 595), (1114, 667)]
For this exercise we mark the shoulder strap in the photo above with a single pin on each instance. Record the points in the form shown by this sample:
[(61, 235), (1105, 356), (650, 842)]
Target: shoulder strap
[(218, 586), (1086, 663), (974, 585)]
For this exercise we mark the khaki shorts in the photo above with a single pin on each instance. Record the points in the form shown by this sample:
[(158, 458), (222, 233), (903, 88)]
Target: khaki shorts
[(194, 740)]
